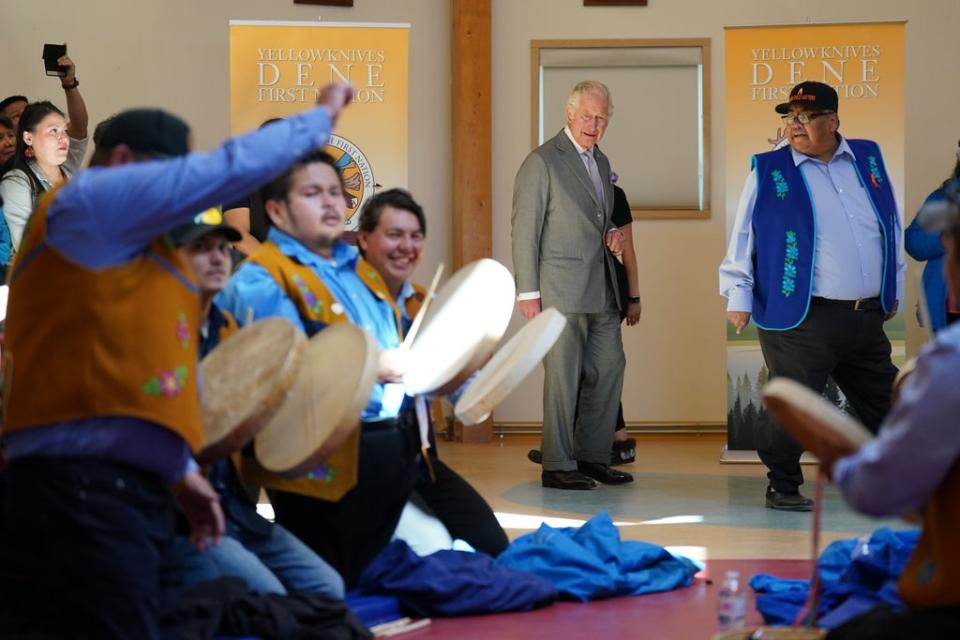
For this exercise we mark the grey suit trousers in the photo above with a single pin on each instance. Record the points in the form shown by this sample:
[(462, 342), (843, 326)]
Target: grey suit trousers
[(583, 379)]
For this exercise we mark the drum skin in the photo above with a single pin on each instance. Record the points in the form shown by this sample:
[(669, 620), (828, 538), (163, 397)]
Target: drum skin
[(509, 366), (466, 320), (244, 381), (772, 633), (810, 419), (338, 370)]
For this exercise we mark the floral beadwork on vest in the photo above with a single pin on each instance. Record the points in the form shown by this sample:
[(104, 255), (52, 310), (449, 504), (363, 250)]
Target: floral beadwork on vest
[(790, 257)]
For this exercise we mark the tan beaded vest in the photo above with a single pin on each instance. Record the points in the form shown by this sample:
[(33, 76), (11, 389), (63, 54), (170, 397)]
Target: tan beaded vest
[(317, 308), (84, 343)]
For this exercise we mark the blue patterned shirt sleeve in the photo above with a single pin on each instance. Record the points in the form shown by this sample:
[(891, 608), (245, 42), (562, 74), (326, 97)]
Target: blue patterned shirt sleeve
[(106, 216)]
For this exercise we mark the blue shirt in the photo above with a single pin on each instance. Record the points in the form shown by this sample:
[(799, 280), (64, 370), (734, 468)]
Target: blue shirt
[(406, 292), (106, 216), (849, 259), (923, 245), (918, 443), (252, 288)]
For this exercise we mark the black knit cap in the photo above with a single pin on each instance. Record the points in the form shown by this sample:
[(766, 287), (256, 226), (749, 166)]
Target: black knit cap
[(148, 131), (816, 95)]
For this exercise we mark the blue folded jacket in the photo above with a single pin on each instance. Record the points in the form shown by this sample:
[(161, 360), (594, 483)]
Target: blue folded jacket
[(452, 583), (592, 562), (856, 575)]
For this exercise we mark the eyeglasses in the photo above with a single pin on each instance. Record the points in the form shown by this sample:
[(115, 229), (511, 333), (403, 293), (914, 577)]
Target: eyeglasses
[(804, 117), (589, 119)]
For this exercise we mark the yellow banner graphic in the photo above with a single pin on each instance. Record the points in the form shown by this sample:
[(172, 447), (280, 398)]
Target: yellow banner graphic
[(277, 68)]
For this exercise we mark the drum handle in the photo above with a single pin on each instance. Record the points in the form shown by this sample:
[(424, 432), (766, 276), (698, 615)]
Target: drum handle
[(420, 403), (809, 609), (418, 320)]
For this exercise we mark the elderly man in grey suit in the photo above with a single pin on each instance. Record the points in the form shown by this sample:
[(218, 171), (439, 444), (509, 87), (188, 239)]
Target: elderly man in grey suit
[(562, 203)]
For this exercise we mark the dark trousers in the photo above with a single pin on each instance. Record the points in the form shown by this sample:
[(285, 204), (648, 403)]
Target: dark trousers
[(849, 346), (462, 510), (621, 425), (349, 533), (83, 546), (884, 623)]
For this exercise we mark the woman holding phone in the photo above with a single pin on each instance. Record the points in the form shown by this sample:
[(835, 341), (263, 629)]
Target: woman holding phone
[(49, 149)]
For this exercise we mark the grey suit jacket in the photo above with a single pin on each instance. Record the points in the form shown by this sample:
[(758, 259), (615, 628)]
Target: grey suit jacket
[(559, 228)]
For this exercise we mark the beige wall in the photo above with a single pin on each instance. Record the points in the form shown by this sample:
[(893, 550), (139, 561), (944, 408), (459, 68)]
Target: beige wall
[(174, 54), (676, 356)]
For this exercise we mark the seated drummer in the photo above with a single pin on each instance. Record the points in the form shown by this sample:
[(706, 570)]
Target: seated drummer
[(390, 236), (100, 399), (306, 273), (914, 465), (267, 556)]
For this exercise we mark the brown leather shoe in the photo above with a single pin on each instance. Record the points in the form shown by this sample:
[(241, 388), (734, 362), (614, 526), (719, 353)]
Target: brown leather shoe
[(603, 473), (572, 480), (794, 501)]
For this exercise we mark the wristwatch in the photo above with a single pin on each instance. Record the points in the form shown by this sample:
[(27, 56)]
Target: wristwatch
[(634, 299), (76, 83)]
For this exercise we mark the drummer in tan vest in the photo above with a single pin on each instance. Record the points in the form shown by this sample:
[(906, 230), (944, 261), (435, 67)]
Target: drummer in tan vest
[(264, 554), (101, 401), (390, 236), (306, 273), (914, 465)]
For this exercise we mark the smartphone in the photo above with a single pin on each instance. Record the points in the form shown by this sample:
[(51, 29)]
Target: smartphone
[(52, 53)]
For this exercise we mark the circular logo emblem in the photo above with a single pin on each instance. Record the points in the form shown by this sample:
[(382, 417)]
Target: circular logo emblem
[(357, 175)]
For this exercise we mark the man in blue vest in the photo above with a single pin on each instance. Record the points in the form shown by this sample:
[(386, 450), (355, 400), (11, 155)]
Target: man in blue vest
[(815, 260)]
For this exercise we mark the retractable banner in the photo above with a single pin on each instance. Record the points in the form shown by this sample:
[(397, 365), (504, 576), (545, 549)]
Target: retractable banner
[(277, 68)]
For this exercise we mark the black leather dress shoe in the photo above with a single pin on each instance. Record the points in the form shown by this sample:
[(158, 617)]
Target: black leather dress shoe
[(794, 501), (624, 452), (573, 480), (603, 473)]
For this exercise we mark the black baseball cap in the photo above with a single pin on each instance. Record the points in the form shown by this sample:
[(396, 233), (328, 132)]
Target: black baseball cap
[(148, 131), (207, 222), (816, 95)]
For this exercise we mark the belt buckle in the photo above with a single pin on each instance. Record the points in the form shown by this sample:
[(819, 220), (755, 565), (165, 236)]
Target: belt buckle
[(856, 304)]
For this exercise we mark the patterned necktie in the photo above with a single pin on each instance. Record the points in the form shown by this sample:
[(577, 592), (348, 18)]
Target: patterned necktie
[(594, 173)]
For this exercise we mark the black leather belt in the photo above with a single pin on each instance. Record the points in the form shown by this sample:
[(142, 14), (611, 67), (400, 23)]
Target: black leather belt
[(406, 420), (863, 304)]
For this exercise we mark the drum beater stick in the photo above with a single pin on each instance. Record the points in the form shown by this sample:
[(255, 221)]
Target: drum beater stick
[(418, 320)]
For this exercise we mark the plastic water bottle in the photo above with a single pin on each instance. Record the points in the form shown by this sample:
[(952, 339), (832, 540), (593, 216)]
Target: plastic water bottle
[(731, 603)]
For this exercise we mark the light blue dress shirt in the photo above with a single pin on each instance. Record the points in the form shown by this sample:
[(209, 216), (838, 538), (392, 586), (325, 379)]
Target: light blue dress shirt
[(918, 443), (848, 264), (253, 288), (105, 217)]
